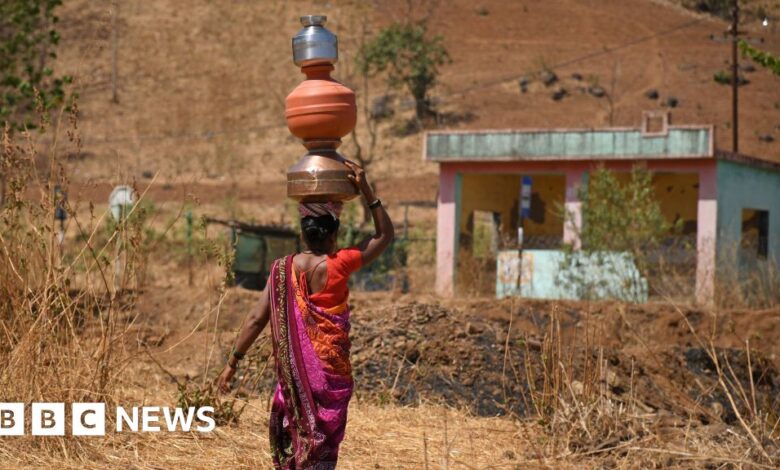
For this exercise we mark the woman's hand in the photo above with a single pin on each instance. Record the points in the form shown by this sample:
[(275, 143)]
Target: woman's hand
[(359, 179), (223, 381)]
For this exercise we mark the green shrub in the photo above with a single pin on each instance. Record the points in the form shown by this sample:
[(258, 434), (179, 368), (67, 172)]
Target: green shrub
[(409, 58)]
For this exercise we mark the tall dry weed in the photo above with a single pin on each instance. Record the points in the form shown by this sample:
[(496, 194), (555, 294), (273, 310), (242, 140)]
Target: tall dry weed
[(571, 391), (59, 309), (572, 386)]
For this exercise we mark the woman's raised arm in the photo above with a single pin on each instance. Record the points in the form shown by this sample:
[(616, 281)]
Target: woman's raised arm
[(373, 246)]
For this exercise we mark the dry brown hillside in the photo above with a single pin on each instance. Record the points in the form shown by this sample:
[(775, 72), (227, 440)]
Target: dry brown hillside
[(202, 83)]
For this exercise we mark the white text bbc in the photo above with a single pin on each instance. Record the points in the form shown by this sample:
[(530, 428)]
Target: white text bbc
[(89, 419)]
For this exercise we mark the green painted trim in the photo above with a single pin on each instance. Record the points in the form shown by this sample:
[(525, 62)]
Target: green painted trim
[(571, 144)]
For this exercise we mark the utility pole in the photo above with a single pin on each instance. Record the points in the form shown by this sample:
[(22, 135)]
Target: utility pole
[(734, 31), (114, 47)]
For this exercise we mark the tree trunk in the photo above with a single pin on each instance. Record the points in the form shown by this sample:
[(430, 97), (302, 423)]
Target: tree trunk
[(421, 109)]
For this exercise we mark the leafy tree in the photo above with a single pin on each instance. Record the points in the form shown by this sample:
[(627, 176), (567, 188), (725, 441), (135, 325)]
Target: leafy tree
[(617, 218), (721, 8), (28, 86), (410, 59), (621, 217), (762, 58), (749, 9)]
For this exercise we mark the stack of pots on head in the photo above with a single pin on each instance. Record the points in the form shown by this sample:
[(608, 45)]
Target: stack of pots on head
[(320, 111)]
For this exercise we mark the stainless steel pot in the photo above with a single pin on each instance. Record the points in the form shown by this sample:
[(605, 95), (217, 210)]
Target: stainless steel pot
[(314, 43)]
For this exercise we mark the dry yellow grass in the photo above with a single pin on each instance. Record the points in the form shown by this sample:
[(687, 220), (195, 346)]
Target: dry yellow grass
[(377, 437), (390, 437)]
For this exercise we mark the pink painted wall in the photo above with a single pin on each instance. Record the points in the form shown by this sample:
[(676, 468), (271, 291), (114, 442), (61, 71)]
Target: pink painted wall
[(447, 228), (706, 234)]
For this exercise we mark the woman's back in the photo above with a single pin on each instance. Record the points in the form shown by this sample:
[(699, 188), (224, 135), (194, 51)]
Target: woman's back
[(314, 267), (327, 276)]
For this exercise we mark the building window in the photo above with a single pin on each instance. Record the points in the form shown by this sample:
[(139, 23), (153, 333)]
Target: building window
[(755, 232)]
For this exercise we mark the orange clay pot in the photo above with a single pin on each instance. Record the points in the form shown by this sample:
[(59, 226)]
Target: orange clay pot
[(320, 109)]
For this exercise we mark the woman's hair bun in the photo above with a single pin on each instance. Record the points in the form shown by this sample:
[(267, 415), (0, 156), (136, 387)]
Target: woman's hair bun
[(315, 233), (317, 229)]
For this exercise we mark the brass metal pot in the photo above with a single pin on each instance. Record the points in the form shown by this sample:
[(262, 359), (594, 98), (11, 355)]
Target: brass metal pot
[(320, 176)]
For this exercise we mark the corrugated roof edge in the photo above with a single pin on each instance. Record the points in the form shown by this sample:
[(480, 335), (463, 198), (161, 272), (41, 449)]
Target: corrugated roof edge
[(717, 153), (531, 130), (698, 127), (747, 160)]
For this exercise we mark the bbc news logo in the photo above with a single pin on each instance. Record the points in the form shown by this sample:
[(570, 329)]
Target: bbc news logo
[(89, 419)]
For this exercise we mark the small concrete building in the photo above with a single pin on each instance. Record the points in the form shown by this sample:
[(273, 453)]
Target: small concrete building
[(721, 197)]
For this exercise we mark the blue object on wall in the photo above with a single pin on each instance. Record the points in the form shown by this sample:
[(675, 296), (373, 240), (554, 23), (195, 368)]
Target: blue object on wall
[(525, 197)]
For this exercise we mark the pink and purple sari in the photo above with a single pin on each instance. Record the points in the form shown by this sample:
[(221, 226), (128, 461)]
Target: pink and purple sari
[(311, 347)]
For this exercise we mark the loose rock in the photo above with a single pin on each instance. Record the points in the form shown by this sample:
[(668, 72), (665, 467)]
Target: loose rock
[(597, 91), (548, 77), (523, 82), (559, 94), (473, 329)]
